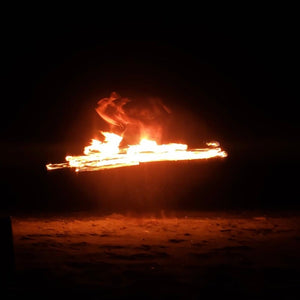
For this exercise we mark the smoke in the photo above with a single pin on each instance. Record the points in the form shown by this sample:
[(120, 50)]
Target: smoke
[(134, 121)]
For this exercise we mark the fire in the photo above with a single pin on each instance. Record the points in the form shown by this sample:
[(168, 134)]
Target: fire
[(109, 154)]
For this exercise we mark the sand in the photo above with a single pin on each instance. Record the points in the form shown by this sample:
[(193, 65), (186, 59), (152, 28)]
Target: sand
[(247, 255)]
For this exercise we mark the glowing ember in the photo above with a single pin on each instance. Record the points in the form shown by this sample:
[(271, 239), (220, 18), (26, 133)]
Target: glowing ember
[(108, 154)]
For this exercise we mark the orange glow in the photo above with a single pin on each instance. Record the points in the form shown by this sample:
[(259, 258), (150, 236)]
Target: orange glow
[(108, 154)]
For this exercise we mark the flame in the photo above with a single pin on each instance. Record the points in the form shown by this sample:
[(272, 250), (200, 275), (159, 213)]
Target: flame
[(132, 121), (108, 154)]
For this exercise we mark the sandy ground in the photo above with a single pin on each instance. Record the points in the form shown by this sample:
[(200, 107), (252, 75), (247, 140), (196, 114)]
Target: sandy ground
[(241, 254)]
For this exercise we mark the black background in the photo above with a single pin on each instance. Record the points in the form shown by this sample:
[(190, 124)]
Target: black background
[(228, 81)]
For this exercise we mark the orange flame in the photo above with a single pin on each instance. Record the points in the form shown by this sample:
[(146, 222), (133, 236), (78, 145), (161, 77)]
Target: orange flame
[(108, 154)]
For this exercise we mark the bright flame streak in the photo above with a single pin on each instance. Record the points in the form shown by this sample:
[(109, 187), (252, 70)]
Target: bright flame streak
[(106, 155)]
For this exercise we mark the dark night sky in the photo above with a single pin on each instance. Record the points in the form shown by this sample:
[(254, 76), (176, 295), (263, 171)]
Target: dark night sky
[(227, 81), (231, 82)]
